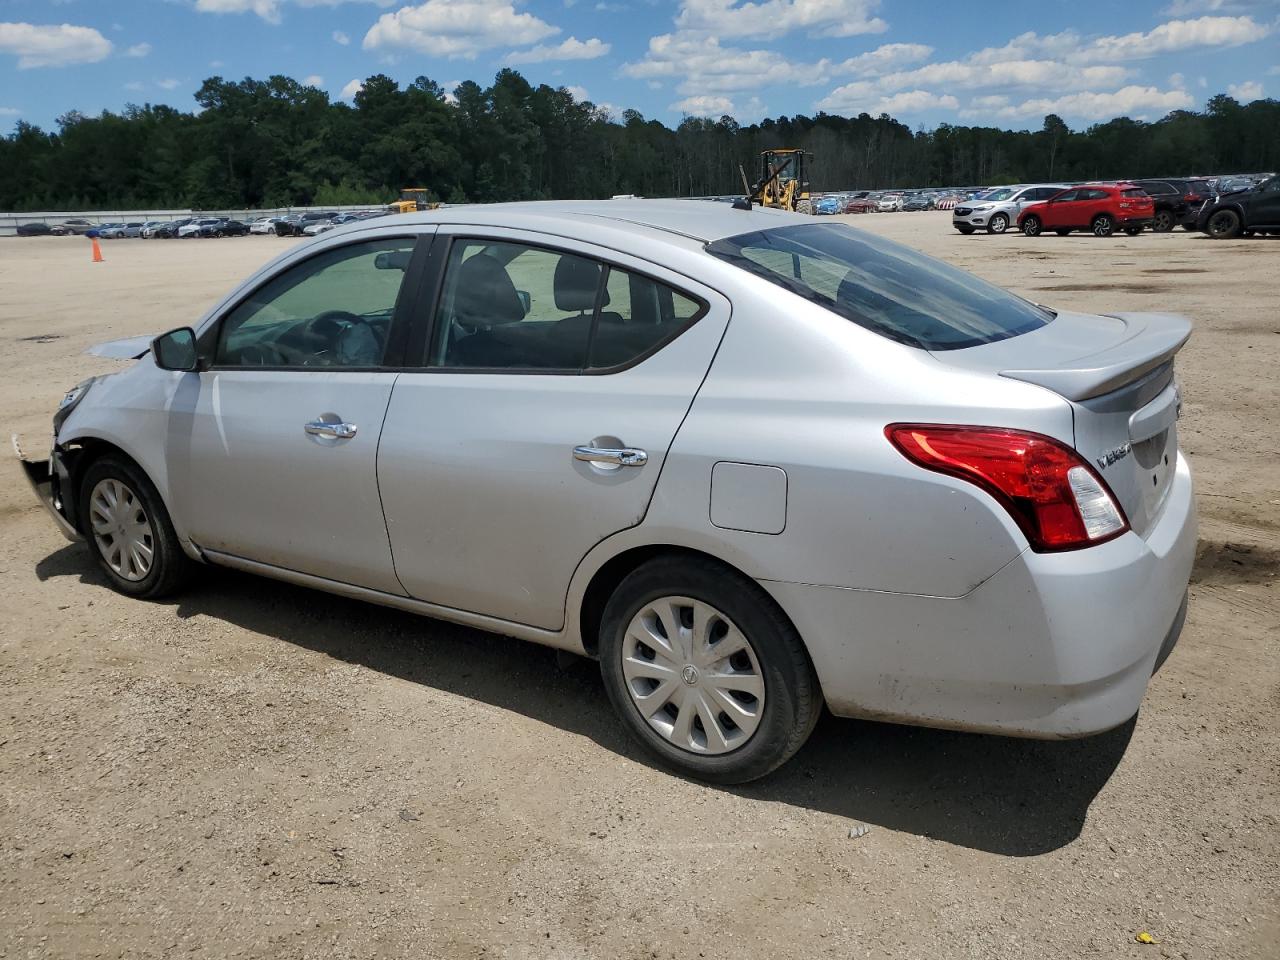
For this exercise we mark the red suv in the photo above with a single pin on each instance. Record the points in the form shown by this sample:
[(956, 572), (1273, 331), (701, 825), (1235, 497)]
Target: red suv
[(1097, 207)]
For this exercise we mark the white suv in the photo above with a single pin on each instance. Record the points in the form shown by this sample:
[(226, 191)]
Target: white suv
[(998, 208)]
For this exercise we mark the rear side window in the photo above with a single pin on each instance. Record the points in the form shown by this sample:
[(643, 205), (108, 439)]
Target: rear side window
[(1101, 194), (887, 288), (1133, 193), (513, 306)]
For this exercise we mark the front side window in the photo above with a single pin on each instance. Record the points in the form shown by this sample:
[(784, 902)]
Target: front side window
[(1095, 194), (513, 306), (332, 310), (887, 288)]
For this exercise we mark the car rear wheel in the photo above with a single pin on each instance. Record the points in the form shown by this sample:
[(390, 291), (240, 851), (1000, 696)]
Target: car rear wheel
[(998, 224), (1103, 225), (1162, 222), (1223, 225), (1031, 226), (805, 207), (129, 532), (706, 672)]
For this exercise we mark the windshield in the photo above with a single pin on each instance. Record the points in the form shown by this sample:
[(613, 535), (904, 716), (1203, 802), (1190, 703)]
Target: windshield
[(1000, 193), (883, 286)]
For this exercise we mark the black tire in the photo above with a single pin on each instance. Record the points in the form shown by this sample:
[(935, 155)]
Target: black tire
[(1104, 225), (793, 697), (1062, 232), (805, 207), (1223, 225), (964, 228), (998, 224), (170, 568), (1162, 222), (1031, 226), (1133, 231)]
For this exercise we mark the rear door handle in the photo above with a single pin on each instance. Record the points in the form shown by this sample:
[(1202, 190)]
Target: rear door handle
[(331, 431), (619, 456)]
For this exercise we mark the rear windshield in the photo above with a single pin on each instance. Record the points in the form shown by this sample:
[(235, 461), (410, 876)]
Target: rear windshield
[(883, 286)]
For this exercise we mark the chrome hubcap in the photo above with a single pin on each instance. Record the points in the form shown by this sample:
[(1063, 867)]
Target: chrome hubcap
[(693, 675), (121, 529)]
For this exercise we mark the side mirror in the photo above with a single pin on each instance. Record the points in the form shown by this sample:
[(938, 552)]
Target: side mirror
[(525, 300), (176, 350), (392, 260)]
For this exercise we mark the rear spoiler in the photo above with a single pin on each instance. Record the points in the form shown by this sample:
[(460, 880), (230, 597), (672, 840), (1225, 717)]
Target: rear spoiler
[(1150, 340)]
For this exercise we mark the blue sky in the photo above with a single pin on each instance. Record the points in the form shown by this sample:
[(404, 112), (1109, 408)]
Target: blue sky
[(1002, 63)]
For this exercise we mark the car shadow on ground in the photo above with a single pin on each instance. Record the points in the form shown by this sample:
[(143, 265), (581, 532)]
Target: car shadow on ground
[(1002, 795)]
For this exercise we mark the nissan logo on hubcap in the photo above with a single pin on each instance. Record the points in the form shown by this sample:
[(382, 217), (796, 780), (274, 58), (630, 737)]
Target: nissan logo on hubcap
[(689, 674)]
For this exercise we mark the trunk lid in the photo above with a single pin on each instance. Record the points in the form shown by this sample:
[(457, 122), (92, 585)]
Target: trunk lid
[(1117, 374)]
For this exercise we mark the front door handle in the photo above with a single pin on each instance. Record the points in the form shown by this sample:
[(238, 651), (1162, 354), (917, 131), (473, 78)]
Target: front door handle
[(619, 456), (331, 431)]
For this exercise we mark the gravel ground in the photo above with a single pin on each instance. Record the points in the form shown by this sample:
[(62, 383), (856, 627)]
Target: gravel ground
[(256, 770)]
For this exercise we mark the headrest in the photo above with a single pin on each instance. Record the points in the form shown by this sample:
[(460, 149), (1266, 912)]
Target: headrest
[(485, 294), (576, 283)]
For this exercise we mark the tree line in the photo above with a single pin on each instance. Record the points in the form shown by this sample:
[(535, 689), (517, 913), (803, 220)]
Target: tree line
[(277, 143)]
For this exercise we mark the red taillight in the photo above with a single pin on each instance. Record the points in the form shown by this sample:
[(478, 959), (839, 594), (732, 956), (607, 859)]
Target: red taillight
[(1052, 493)]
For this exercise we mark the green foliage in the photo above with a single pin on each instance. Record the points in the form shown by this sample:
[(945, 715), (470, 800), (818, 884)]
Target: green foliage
[(276, 143)]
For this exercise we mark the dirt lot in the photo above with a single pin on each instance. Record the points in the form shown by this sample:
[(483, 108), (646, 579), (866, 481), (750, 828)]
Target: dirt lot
[(256, 770)]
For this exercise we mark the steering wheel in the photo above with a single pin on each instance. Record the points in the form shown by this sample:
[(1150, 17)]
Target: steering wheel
[(347, 342)]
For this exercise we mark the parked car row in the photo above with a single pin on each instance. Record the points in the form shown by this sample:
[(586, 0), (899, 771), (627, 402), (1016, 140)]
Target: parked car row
[(296, 224), (1102, 208)]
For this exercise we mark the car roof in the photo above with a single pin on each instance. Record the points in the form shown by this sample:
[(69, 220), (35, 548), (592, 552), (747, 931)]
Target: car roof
[(702, 220)]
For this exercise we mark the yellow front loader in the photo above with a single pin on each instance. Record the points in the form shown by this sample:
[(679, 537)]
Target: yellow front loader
[(785, 184)]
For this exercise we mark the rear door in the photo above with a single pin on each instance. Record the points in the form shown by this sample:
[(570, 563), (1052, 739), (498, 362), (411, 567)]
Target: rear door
[(555, 377)]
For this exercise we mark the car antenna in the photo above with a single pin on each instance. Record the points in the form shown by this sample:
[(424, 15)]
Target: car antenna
[(753, 193)]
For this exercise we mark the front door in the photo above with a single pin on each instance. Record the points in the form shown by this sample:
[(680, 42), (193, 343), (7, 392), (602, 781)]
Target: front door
[(554, 383), (275, 446), (1265, 205)]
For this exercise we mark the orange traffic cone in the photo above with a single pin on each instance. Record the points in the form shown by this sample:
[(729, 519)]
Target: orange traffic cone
[(97, 251)]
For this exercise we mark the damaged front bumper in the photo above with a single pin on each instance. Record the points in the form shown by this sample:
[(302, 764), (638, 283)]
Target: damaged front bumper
[(47, 479)]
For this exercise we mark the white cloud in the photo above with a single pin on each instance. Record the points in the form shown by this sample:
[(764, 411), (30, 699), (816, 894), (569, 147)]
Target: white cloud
[(578, 93), (340, 37), (315, 80), (571, 49), (270, 10), (703, 106), (52, 46), (1246, 92), (705, 69), (351, 89), (216, 64), (1177, 80), (169, 84), (138, 50), (10, 112), (890, 56), (1274, 71), (855, 98), (1181, 8), (1172, 37), (770, 18), (135, 86), (1128, 101), (457, 28)]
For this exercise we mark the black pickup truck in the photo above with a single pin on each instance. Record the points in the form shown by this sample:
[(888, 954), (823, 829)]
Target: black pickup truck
[(1243, 213)]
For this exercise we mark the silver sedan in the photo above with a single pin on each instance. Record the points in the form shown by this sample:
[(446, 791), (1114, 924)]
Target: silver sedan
[(754, 464)]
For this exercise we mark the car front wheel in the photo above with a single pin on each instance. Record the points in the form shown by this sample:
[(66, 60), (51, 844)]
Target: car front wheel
[(1223, 225), (129, 532), (706, 672), (1031, 226), (998, 224)]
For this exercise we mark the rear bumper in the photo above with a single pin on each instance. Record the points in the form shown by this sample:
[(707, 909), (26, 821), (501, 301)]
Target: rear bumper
[(43, 477), (1136, 221), (1051, 646)]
